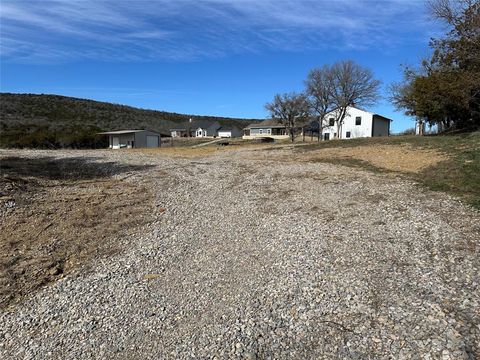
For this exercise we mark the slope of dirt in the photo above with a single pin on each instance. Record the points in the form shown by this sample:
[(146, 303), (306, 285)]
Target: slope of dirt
[(59, 214), (402, 158)]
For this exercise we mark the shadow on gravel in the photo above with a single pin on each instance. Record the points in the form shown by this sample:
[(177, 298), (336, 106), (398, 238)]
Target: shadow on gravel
[(76, 168), (61, 214)]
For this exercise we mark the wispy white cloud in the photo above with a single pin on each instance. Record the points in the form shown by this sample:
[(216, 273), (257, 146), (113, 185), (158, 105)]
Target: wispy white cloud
[(121, 30)]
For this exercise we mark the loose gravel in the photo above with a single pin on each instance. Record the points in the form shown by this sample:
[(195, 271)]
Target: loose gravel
[(259, 259)]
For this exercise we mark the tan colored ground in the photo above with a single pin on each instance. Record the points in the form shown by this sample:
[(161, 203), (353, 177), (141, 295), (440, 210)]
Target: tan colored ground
[(401, 158), (192, 152), (61, 222), (57, 224)]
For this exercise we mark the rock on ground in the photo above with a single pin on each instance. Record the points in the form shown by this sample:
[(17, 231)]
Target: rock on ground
[(260, 259)]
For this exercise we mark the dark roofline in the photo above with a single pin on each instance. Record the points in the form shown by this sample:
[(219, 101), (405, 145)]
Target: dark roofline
[(380, 117), (120, 132), (266, 127)]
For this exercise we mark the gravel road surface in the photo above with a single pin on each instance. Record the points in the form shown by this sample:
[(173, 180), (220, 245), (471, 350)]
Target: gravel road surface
[(255, 258)]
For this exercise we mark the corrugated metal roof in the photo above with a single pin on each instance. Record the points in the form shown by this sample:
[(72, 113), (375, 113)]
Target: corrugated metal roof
[(119, 132)]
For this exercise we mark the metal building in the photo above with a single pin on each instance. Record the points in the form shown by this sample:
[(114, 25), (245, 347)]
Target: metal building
[(132, 139)]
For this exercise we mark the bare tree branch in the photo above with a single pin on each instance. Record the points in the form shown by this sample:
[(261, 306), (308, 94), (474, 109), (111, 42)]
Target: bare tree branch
[(352, 85), (290, 110), (318, 88)]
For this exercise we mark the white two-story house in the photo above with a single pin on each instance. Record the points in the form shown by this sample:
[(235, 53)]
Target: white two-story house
[(357, 123)]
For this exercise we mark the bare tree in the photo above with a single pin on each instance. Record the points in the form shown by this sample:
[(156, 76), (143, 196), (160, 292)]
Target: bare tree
[(289, 109), (351, 85), (319, 90), (452, 11)]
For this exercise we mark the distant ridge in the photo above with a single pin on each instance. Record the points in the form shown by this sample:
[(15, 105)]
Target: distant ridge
[(44, 120)]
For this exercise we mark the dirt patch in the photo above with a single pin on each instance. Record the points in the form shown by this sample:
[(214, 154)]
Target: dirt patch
[(401, 158), (59, 214)]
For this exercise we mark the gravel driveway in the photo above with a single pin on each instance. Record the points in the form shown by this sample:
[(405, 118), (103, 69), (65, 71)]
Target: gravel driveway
[(250, 257)]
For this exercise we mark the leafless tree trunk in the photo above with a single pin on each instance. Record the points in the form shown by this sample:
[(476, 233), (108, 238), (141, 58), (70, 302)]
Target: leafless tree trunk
[(333, 88), (351, 85), (319, 90), (290, 110)]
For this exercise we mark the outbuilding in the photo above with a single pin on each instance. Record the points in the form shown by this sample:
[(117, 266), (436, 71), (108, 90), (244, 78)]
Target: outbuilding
[(358, 123), (232, 132), (132, 139)]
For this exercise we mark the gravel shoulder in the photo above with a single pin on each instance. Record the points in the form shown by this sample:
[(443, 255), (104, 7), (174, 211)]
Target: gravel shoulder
[(249, 257)]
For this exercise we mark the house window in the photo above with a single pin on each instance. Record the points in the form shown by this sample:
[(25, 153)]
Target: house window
[(348, 134), (358, 120), (269, 131), (260, 131), (331, 122)]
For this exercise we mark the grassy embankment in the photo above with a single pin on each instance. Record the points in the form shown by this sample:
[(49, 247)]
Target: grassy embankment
[(449, 163)]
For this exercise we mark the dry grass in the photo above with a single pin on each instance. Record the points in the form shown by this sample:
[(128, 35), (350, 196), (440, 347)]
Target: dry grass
[(400, 158), (60, 223), (449, 163)]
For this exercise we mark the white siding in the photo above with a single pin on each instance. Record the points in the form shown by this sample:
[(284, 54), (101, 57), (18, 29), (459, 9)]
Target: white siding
[(356, 131), (225, 134), (201, 132)]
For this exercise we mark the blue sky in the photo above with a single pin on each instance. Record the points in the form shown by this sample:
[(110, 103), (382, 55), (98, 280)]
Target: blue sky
[(225, 58)]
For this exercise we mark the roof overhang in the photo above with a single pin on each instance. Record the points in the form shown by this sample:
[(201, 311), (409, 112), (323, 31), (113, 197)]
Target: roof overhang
[(266, 127), (120, 132)]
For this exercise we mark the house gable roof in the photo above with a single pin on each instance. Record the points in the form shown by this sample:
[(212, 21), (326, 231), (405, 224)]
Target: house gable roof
[(198, 124), (266, 124), (227, 129), (379, 117)]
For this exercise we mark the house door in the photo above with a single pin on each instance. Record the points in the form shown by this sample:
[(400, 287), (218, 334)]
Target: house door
[(115, 142), (152, 141), (326, 136)]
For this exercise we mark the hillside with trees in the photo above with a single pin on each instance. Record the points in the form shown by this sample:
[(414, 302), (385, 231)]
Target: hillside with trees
[(53, 121)]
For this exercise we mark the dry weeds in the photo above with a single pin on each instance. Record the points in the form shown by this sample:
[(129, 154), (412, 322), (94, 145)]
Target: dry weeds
[(400, 158), (50, 226)]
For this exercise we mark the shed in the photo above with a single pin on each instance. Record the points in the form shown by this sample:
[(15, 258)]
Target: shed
[(132, 139)]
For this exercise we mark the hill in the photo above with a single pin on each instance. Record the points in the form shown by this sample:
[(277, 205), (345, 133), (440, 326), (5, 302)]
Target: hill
[(51, 121)]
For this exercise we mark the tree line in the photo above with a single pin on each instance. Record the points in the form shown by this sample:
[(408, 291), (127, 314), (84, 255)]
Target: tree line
[(53, 121), (445, 91)]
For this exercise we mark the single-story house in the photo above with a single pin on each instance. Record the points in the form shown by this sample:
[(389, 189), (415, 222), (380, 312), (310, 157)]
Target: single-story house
[(183, 132), (268, 128), (205, 128), (132, 139), (358, 123)]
